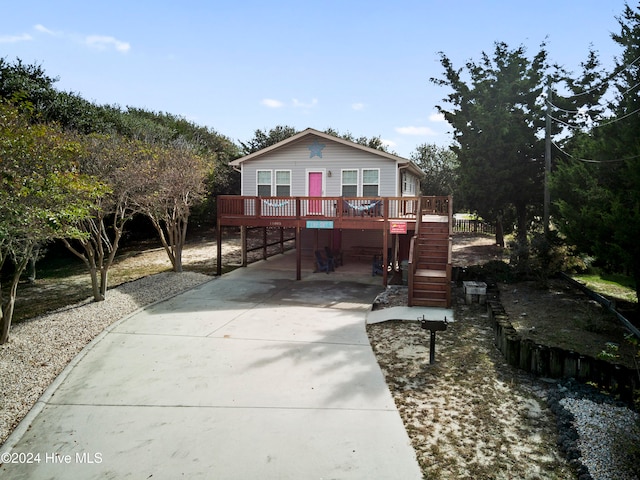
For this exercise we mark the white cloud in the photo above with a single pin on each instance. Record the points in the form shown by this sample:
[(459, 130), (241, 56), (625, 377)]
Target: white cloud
[(102, 42), (388, 143), (25, 37), (358, 106), (271, 103), (436, 117), (98, 42), (43, 29), (299, 104), (419, 131)]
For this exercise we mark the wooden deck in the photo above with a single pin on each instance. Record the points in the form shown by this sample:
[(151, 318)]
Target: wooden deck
[(369, 213), (418, 217)]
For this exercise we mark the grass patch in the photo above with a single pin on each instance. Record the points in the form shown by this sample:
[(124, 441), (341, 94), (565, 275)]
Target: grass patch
[(615, 286)]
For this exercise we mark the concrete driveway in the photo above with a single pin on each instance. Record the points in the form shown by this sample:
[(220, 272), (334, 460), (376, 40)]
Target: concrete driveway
[(250, 376)]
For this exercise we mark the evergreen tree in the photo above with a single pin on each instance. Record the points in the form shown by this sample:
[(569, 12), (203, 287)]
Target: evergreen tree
[(598, 186), (497, 120)]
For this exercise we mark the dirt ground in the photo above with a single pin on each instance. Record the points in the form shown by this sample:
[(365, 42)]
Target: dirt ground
[(470, 415), (558, 315)]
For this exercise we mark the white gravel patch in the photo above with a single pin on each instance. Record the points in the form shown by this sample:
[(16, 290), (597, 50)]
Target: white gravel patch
[(39, 349), (606, 433)]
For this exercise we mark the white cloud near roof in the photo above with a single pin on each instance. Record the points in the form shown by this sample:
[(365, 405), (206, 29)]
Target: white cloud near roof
[(388, 143), (271, 103), (25, 37), (418, 131), (357, 106), (102, 42)]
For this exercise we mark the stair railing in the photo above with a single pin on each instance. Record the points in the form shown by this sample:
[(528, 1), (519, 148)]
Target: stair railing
[(413, 251)]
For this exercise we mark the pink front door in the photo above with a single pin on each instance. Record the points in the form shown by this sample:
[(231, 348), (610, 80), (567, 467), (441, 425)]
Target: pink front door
[(315, 190)]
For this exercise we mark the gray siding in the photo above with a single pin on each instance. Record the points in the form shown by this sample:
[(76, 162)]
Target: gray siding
[(335, 157)]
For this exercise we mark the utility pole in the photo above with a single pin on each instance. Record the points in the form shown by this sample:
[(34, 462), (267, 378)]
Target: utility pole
[(547, 162)]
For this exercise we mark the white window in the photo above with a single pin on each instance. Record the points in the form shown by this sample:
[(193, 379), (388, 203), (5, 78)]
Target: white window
[(370, 182), (349, 183), (283, 183), (408, 183), (263, 178)]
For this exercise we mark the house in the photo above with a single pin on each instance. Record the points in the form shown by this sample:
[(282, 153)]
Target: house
[(350, 199)]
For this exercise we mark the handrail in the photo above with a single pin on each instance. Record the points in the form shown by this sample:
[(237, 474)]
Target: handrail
[(413, 252), (366, 208)]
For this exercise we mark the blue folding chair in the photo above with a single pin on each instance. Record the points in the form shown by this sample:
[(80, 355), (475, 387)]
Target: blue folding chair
[(323, 264)]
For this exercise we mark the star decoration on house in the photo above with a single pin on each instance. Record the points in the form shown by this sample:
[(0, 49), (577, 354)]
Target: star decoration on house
[(316, 149)]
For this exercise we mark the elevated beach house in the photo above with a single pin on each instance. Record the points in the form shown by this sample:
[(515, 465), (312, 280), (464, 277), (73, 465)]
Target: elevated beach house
[(350, 202)]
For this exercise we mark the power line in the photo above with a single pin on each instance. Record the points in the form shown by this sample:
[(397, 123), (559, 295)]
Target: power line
[(562, 109), (603, 124), (616, 160), (617, 119), (576, 112), (565, 123), (605, 81)]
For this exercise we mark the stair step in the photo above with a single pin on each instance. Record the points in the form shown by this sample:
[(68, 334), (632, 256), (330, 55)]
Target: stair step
[(431, 286), (421, 302), (431, 273)]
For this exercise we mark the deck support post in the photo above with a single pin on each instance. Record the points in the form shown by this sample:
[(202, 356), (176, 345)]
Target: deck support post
[(264, 243), (243, 241), (219, 248), (281, 240), (385, 255), (298, 254)]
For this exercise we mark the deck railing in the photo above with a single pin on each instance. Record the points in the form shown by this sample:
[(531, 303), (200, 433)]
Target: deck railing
[(234, 206)]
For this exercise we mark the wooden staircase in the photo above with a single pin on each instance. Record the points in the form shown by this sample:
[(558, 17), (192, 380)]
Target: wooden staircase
[(430, 271)]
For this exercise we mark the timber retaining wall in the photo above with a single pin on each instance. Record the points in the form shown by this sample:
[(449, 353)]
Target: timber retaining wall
[(553, 362)]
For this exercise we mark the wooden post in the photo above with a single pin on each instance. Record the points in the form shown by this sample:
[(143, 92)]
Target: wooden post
[(219, 248), (264, 243), (385, 256), (281, 239), (298, 241), (243, 241), (298, 254), (432, 348)]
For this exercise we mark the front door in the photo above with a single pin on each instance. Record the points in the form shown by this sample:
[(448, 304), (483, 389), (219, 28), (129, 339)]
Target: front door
[(315, 190)]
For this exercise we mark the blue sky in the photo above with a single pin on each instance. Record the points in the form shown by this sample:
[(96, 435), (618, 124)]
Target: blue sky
[(237, 66)]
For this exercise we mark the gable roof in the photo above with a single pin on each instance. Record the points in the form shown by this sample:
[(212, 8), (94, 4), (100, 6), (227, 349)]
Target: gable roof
[(310, 131)]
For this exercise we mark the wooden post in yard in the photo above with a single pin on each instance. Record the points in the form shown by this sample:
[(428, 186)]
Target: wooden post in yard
[(298, 254), (219, 248), (264, 243), (385, 256), (243, 242)]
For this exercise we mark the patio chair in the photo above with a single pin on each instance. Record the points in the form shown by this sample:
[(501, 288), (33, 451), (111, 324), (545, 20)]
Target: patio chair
[(323, 264), (375, 209), (334, 256)]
